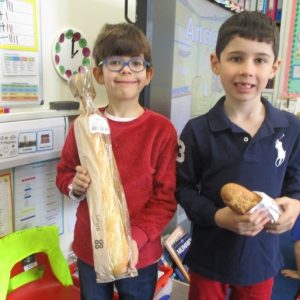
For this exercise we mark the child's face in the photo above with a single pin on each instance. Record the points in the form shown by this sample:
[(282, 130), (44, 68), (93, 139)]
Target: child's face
[(245, 66), (124, 85)]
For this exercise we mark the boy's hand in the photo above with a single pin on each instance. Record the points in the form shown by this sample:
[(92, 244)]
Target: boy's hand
[(248, 224), (291, 210), (81, 181)]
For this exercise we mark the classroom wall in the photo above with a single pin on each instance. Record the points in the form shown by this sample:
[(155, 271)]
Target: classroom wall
[(88, 16)]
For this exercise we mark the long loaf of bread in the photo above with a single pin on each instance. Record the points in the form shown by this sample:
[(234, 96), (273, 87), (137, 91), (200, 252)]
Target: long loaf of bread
[(239, 198), (110, 228), (105, 198)]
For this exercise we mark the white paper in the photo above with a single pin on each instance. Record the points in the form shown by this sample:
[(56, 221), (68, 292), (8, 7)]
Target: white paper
[(19, 63), (37, 200), (267, 203)]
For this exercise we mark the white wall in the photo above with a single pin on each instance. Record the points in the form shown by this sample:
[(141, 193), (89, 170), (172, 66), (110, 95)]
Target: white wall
[(88, 16)]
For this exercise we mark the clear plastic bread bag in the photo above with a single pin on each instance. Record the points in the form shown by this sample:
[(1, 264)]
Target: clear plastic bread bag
[(110, 229)]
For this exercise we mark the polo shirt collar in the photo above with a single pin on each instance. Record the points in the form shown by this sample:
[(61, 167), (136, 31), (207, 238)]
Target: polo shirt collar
[(218, 120)]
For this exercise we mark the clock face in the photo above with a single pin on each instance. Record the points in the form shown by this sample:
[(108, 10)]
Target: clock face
[(70, 53)]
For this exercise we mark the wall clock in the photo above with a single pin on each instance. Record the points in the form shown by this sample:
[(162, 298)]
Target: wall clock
[(70, 53)]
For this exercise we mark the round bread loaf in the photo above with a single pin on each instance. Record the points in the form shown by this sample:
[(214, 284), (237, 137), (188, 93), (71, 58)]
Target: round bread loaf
[(239, 198)]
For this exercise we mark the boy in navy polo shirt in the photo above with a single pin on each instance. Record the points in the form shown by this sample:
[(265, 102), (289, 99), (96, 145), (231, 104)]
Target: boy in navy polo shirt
[(242, 139)]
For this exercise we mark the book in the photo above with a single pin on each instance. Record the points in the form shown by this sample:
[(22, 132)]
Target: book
[(182, 245), (279, 10), (178, 275), (178, 243), (166, 259), (271, 10)]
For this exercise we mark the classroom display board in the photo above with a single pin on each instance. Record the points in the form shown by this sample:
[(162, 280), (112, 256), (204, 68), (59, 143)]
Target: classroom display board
[(20, 53), (29, 197), (292, 74), (29, 153)]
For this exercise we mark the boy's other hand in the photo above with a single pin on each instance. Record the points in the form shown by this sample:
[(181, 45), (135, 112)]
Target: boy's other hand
[(290, 273), (291, 210), (81, 181), (247, 224)]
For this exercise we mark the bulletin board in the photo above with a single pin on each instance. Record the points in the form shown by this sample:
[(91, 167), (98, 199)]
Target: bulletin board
[(20, 53), (292, 74)]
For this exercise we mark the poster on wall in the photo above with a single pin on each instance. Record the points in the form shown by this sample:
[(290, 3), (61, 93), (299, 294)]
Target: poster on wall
[(195, 89), (20, 55), (294, 78), (37, 201), (291, 88)]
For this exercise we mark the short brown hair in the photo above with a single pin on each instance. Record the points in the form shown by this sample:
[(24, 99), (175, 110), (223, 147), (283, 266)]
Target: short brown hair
[(251, 25), (122, 39)]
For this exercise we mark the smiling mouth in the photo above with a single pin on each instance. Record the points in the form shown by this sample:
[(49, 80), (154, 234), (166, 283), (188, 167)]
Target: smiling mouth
[(244, 85), (124, 81)]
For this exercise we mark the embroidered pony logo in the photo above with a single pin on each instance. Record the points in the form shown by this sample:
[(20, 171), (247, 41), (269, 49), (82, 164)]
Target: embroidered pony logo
[(280, 152)]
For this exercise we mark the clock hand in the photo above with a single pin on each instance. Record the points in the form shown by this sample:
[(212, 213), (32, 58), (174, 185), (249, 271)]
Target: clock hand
[(74, 53), (72, 50)]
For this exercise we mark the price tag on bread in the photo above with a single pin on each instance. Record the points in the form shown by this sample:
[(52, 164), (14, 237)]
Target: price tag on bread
[(243, 201)]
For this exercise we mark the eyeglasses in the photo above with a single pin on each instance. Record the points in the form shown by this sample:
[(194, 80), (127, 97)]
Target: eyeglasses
[(116, 64)]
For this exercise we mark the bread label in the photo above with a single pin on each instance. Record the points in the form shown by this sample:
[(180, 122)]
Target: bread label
[(98, 124)]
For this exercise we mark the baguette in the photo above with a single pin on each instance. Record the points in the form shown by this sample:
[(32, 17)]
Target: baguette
[(111, 192), (110, 227), (239, 198), (103, 196)]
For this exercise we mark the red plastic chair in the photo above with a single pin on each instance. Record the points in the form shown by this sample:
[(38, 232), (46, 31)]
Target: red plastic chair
[(49, 279)]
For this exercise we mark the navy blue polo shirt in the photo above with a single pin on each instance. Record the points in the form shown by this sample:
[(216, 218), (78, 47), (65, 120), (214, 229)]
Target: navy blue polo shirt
[(214, 151)]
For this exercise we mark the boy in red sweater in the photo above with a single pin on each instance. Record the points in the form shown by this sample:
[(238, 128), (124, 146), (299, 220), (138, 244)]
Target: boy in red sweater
[(145, 148)]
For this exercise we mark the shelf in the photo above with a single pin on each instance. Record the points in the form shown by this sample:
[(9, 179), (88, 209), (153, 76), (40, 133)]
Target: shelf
[(36, 113)]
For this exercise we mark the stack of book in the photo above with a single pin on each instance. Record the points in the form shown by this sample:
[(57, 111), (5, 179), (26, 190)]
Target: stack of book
[(176, 247)]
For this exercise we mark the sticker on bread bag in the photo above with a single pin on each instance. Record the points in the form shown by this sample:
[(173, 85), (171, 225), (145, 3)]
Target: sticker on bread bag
[(98, 124)]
